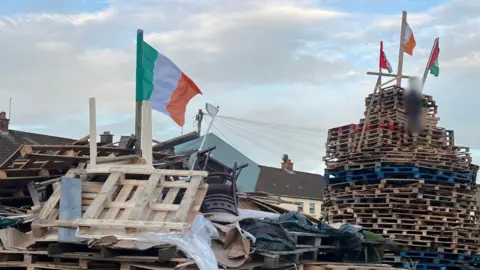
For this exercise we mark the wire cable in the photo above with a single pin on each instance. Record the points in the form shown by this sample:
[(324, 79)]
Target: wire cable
[(246, 138), (270, 140)]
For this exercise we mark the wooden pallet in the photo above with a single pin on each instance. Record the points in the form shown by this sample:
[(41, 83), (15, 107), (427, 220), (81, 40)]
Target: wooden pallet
[(131, 200), (273, 259)]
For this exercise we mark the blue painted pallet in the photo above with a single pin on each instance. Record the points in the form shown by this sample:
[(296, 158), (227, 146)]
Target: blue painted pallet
[(440, 255), (407, 172), (397, 169), (434, 266), (427, 266)]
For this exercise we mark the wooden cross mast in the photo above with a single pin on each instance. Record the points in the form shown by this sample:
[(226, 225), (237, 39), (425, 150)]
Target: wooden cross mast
[(378, 86)]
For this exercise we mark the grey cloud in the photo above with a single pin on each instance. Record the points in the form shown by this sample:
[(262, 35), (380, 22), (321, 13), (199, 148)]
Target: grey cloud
[(56, 62)]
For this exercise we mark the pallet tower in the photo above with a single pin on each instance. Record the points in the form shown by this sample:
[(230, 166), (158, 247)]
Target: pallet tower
[(418, 191)]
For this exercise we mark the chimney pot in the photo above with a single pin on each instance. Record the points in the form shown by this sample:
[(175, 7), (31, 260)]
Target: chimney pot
[(106, 137), (287, 163), (4, 121)]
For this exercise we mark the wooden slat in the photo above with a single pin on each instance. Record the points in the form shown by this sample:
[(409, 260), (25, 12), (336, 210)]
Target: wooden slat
[(120, 201), (96, 208), (145, 197), (112, 223), (136, 195), (168, 200), (138, 169), (188, 200)]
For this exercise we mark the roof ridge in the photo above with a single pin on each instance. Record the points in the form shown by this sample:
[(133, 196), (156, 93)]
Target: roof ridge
[(40, 134), (294, 171)]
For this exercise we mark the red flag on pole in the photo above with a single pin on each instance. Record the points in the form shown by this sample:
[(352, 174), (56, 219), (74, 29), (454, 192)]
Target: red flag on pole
[(384, 64)]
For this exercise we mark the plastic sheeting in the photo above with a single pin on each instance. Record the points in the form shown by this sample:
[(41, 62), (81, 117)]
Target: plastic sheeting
[(350, 235), (195, 243), (296, 222)]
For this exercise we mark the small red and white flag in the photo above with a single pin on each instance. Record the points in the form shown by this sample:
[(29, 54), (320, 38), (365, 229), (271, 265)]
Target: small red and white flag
[(384, 64)]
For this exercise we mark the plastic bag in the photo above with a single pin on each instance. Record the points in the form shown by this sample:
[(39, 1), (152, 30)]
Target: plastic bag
[(195, 243)]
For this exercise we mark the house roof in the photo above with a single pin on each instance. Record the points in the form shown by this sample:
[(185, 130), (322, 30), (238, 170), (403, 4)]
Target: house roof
[(10, 141), (291, 184)]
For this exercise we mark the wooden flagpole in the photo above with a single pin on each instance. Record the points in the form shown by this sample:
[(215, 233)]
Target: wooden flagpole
[(425, 73), (139, 93), (400, 51), (93, 132)]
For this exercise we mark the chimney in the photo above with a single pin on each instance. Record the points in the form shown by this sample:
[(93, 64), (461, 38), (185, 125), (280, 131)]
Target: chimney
[(287, 163), (4, 121), (106, 137)]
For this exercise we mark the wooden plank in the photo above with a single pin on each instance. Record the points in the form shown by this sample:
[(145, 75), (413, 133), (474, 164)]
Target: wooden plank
[(51, 203), (70, 206), (168, 200), (165, 184), (112, 223), (114, 208), (188, 199), (146, 196), (93, 132), (144, 169), (98, 204), (80, 148), (46, 211)]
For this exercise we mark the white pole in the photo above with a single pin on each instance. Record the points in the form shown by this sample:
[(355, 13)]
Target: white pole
[(147, 132), (93, 133), (202, 144)]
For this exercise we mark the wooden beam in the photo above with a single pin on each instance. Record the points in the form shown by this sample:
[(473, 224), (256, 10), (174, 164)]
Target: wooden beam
[(47, 147), (93, 133), (387, 75), (112, 223), (147, 132), (400, 50)]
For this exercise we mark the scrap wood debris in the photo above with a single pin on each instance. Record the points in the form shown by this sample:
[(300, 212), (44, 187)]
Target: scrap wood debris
[(116, 214)]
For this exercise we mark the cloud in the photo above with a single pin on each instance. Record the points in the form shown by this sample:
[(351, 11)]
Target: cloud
[(281, 61)]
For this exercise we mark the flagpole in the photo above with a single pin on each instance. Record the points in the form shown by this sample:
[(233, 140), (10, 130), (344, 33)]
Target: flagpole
[(380, 62), (139, 93), (425, 73), (400, 51), (93, 132), (202, 144)]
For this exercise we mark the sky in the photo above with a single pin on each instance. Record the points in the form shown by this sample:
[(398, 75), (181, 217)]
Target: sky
[(299, 65)]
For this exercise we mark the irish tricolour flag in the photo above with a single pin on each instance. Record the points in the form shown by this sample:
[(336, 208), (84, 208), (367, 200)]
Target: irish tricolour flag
[(162, 82), (433, 62)]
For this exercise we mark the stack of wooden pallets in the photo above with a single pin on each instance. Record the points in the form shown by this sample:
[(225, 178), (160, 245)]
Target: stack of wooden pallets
[(418, 191), (111, 206)]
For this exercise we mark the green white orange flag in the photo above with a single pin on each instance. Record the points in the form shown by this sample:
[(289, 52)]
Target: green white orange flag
[(433, 63), (160, 81), (408, 40)]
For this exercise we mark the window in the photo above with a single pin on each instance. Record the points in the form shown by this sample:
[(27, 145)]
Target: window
[(300, 206), (312, 208)]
